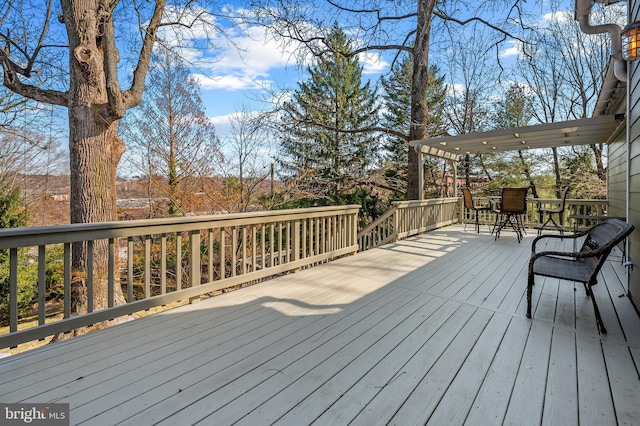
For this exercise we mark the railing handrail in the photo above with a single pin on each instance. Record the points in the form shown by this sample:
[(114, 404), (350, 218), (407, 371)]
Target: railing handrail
[(56, 234), (379, 220)]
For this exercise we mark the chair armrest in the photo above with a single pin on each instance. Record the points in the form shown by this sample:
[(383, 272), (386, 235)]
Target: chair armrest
[(574, 255), (572, 236)]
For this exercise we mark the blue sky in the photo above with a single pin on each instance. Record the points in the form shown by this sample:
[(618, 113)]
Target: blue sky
[(247, 66)]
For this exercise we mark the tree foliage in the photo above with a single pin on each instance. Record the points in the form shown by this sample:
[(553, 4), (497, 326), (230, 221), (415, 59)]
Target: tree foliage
[(397, 115), (171, 141), (14, 215), (326, 150), (398, 27)]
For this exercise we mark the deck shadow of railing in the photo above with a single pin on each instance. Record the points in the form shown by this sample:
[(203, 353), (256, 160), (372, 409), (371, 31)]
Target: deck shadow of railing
[(151, 263)]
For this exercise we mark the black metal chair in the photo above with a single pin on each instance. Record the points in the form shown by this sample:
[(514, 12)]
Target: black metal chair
[(513, 204), (470, 205), (550, 211), (581, 266)]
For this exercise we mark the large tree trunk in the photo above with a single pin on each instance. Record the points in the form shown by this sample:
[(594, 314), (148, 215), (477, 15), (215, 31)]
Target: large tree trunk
[(556, 172), (95, 151), (94, 147), (527, 174), (419, 88), (600, 169)]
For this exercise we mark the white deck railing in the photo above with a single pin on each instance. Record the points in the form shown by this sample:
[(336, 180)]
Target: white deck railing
[(406, 218), (160, 261), (573, 207)]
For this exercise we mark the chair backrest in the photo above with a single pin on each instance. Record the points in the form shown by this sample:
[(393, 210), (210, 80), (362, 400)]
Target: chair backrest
[(605, 236), (468, 199), (514, 200)]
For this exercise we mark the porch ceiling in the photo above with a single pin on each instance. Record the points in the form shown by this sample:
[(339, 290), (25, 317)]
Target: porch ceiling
[(586, 131)]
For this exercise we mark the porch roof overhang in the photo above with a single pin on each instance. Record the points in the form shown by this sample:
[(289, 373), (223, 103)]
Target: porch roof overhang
[(585, 131)]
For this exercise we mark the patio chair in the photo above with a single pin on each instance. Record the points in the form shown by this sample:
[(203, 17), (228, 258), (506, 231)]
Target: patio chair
[(582, 266), (513, 204), (469, 204), (558, 210)]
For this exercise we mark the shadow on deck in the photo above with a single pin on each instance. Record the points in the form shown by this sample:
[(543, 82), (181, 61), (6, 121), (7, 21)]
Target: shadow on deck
[(431, 329)]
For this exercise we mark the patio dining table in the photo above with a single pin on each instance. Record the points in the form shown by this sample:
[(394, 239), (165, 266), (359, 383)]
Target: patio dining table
[(509, 208)]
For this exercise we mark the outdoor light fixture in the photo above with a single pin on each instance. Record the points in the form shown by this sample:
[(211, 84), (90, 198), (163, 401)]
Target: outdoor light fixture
[(631, 41)]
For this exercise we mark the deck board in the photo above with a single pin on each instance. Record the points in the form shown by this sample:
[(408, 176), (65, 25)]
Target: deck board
[(429, 330)]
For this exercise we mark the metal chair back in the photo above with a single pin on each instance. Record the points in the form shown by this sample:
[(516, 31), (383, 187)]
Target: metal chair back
[(468, 198), (514, 200)]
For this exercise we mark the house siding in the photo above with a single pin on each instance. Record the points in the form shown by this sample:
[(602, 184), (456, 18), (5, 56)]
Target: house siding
[(617, 176), (633, 120)]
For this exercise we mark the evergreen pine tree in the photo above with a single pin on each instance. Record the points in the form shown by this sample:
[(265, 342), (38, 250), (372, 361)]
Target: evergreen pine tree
[(397, 116), (326, 150)]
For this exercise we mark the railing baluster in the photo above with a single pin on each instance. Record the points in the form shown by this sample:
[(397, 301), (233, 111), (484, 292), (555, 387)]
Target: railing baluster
[(147, 266), (287, 253), (13, 289), (42, 284), (110, 272), (178, 261), (210, 260), (303, 246), (243, 248), (234, 250), (271, 243), (253, 248), (89, 276), (263, 248), (223, 254), (296, 240), (163, 264), (318, 234), (67, 280), (280, 240), (130, 255), (194, 259)]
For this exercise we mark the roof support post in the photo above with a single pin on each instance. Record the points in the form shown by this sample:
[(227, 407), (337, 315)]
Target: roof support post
[(454, 168), (420, 173)]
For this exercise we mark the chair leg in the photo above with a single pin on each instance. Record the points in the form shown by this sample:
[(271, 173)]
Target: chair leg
[(477, 222), (495, 223), (553, 222), (597, 311), (466, 217), (529, 291)]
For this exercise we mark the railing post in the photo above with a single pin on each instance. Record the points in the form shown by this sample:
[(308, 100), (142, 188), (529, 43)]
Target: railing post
[(194, 262), (396, 222), (353, 228), (295, 243)]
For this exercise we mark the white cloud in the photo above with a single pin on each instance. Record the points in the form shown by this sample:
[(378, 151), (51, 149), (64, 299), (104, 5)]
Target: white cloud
[(243, 61), (372, 63), (556, 17), (232, 82), (513, 48)]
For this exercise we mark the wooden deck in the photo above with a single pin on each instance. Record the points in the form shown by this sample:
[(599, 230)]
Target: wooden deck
[(427, 330)]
